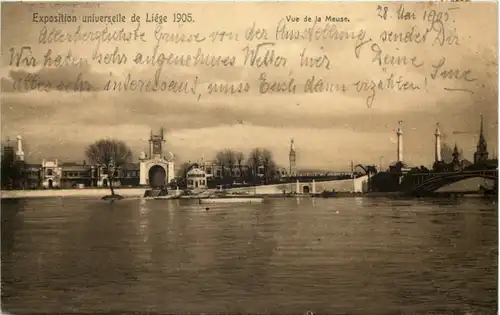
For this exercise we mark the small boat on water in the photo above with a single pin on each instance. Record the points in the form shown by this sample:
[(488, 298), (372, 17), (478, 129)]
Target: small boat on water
[(167, 197), (488, 192), (190, 197), (325, 194), (231, 200)]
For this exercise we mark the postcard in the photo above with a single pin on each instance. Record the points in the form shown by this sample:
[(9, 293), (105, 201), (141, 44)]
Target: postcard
[(224, 157)]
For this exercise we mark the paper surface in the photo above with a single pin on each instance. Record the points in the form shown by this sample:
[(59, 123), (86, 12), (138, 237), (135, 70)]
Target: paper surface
[(337, 77)]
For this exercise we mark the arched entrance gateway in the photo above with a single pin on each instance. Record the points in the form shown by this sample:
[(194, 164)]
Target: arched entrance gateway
[(156, 170), (306, 190), (157, 176)]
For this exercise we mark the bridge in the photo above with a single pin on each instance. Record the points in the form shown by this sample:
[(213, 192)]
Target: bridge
[(429, 182)]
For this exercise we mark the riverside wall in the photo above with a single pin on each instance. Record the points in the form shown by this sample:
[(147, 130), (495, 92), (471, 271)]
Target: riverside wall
[(347, 185), (87, 192)]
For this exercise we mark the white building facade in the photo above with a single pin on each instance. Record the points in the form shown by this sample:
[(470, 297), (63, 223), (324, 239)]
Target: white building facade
[(196, 178), (51, 174)]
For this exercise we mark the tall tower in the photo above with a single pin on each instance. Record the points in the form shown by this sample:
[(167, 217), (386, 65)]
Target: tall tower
[(456, 154), (437, 148), (292, 158), (400, 141), (456, 164), (156, 144), (481, 153), (19, 152)]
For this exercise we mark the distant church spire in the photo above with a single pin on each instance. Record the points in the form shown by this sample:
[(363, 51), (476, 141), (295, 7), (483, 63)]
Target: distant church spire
[(292, 158), (455, 151), (481, 153), (456, 158)]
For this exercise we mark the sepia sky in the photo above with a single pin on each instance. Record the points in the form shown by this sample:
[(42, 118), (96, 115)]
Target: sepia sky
[(330, 129)]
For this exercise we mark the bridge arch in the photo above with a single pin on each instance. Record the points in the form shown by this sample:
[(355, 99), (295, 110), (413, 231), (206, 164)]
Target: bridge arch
[(434, 181), (368, 169)]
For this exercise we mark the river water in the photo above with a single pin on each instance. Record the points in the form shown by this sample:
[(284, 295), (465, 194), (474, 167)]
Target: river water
[(286, 256)]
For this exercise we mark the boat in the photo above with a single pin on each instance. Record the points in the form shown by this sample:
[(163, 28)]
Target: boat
[(167, 197), (189, 197), (231, 200), (487, 192), (325, 194)]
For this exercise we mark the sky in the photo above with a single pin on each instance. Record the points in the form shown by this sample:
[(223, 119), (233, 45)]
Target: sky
[(329, 129)]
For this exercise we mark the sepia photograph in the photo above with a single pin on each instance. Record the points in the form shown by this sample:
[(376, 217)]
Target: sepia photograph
[(249, 158)]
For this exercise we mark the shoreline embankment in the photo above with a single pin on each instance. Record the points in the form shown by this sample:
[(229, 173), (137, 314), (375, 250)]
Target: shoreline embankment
[(57, 193), (139, 193), (272, 190)]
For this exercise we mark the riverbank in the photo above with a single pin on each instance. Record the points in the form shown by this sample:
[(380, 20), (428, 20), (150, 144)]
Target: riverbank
[(88, 192), (139, 193)]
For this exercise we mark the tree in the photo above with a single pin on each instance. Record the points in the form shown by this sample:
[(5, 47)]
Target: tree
[(180, 180), (109, 155), (183, 169), (240, 157), (230, 157), (226, 158), (260, 157), (220, 159), (254, 161), (268, 164), (446, 153)]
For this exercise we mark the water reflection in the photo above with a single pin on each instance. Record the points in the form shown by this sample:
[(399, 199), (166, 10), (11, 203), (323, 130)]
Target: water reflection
[(12, 223), (108, 233), (163, 236), (144, 219), (261, 248), (371, 256)]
